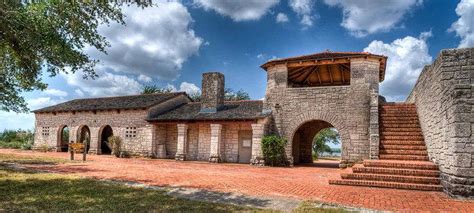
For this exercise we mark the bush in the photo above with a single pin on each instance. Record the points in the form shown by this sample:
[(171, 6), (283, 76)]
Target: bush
[(16, 139), (116, 145), (273, 148)]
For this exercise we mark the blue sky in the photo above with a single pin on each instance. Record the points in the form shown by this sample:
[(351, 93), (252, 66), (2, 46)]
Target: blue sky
[(173, 43)]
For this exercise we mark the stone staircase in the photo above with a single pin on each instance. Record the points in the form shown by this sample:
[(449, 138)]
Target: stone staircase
[(403, 160)]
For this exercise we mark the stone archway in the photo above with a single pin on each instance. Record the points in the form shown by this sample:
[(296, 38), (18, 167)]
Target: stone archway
[(302, 143), (104, 133), (326, 120), (63, 136), (84, 135)]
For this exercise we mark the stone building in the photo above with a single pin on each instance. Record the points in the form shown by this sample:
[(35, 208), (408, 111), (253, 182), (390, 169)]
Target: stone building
[(304, 95)]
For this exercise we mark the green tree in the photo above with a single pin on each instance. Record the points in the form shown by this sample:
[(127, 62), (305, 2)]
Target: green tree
[(322, 139), (230, 95), (151, 89), (48, 35)]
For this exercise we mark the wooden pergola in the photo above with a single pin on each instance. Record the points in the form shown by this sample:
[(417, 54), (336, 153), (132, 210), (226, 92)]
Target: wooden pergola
[(323, 69)]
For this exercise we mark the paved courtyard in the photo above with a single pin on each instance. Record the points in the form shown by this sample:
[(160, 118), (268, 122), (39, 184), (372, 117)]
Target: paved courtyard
[(301, 182)]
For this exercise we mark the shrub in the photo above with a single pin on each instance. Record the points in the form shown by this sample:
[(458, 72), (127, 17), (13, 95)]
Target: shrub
[(116, 145), (273, 148), (16, 139)]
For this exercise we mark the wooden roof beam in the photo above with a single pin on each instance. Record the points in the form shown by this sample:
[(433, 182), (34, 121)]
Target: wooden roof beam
[(317, 62)]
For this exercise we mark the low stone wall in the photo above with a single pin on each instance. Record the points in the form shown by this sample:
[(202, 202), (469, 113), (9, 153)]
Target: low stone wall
[(443, 96)]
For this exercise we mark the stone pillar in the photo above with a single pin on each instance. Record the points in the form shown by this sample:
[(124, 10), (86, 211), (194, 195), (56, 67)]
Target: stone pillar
[(374, 136), (257, 135), (216, 138), (182, 142)]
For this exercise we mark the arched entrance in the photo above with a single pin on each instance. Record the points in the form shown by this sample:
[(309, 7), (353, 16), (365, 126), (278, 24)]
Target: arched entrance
[(302, 143), (63, 139), (105, 133), (84, 136)]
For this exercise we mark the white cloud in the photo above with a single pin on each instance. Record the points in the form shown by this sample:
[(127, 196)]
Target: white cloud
[(260, 56), (363, 17), (107, 84), (464, 26), (281, 18), (406, 58), (25, 121), (55, 92), (238, 10), (189, 88), (144, 78), (155, 41), (79, 92), (304, 10)]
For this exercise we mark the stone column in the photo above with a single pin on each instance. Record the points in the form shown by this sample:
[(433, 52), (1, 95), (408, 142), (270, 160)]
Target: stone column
[(374, 136), (257, 135), (182, 141), (216, 138)]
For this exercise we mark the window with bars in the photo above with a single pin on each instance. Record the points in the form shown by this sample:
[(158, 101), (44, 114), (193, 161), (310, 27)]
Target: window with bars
[(45, 131), (131, 132)]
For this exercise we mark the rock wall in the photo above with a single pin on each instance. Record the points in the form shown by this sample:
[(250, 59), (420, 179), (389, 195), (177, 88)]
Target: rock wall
[(347, 108), (120, 120), (444, 101)]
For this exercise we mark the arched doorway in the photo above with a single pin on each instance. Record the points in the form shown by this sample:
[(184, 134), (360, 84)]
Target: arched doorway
[(304, 138), (63, 139), (84, 136), (106, 132)]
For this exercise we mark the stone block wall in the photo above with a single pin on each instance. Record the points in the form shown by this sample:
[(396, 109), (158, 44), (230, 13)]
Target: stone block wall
[(96, 121), (198, 145), (347, 108), (444, 99)]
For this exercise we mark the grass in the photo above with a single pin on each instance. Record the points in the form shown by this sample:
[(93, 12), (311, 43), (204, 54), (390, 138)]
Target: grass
[(25, 190)]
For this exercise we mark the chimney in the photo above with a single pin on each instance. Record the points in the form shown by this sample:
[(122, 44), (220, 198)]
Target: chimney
[(212, 97)]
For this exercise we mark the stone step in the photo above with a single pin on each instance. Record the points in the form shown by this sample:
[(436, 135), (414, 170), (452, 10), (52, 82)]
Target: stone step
[(393, 185), (403, 157), (398, 118), (401, 137), (422, 165), (398, 114), (400, 129), (402, 147), (399, 122), (396, 171), (401, 125), (391, 178), (404, 152), (403, 142), (395, 133)]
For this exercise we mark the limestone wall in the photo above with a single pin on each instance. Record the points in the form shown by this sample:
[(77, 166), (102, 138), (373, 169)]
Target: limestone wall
[(444, 100), (118, 120), (199, 140), (347, 108)]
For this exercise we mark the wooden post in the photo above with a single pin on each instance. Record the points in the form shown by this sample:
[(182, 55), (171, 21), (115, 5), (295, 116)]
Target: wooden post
[(84, 152), (72, 154)]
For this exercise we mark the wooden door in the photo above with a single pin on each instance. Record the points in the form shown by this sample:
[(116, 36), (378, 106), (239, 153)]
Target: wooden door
[(245, 146)]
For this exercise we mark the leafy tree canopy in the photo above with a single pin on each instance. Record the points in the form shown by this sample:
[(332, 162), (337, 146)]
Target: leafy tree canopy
[(230, 95), (323, 138), (48, 35)]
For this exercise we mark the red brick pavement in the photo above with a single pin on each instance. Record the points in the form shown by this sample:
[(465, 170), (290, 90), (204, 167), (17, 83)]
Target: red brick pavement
[(304, 182)]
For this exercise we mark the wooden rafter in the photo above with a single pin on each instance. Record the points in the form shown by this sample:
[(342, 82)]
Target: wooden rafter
[(330, 74), (297, 73)]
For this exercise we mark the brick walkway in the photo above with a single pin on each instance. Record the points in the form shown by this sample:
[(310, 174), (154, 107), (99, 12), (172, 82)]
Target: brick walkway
[(308, 183)]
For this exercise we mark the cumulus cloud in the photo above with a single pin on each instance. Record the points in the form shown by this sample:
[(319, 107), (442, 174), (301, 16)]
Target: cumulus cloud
[(238, 10), (144, 78), (55, 92), (363, 17), (155, 41), (303, 8), (187, 87), (464, 26), (281, 18), (406, 58), (107, 84), (25, 121)]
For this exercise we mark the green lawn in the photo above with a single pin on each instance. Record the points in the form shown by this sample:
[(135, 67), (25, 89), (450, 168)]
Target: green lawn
[(23, 190)]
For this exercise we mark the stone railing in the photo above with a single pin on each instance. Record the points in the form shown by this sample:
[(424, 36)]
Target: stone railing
[(444, 101)]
